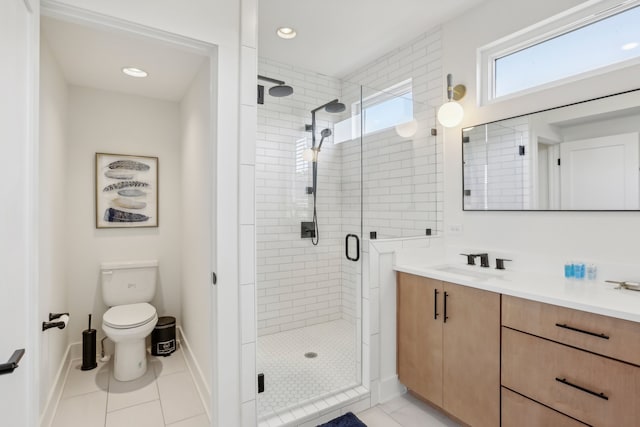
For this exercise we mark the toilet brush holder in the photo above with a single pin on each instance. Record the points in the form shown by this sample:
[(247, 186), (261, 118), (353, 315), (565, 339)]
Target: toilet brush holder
[(89, 348)]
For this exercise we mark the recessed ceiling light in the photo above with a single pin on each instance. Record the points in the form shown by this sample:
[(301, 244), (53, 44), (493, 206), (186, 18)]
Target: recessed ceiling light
[(286, 32), (134, 72), (630, 46)]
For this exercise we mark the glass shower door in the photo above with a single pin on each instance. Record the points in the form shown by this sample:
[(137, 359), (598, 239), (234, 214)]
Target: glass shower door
[(308, 199)]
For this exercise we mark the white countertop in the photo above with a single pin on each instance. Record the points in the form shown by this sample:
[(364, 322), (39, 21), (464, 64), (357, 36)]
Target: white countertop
[(592, 296)]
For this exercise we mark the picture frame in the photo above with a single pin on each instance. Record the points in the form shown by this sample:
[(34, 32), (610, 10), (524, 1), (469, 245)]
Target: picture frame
[(126, 194)]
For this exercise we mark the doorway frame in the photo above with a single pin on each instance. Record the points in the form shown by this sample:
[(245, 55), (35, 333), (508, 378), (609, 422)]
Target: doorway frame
[(98, 21)]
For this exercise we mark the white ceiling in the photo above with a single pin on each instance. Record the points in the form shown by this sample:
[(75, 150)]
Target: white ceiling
[(336, 37), (94, 58)]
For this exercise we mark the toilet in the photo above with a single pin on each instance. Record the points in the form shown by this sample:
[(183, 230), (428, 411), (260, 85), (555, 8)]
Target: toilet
[(127, 288)]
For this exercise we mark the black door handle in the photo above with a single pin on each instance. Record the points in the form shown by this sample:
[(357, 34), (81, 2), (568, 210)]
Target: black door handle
[(446, 295), (12, 364), (346, 247), (435, 304)]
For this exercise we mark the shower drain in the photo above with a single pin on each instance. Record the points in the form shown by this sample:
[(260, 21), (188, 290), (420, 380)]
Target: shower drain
[(310, 355)]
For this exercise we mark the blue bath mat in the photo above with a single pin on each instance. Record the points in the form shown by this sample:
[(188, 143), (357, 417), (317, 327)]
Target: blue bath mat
[(346, 420)]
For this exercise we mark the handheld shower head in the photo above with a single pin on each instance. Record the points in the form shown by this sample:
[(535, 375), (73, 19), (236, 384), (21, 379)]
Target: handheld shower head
[(324, 134)]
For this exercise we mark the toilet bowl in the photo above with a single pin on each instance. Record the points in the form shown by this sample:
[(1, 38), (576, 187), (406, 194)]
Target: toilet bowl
[(128, 326), (128, 287)]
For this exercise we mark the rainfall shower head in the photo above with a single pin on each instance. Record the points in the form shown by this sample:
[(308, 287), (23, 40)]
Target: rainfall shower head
[(280, 90), (324, 134), (335, 107)]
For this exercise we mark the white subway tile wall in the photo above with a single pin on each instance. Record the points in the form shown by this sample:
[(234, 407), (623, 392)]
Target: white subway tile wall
[(402, 185), (298, 283), (496, 176), (397, 178)]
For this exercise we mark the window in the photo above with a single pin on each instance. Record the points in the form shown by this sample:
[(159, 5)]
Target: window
[(382, 110), (572, 46)]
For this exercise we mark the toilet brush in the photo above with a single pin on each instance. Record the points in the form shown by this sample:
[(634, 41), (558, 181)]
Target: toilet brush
[(89, 348)]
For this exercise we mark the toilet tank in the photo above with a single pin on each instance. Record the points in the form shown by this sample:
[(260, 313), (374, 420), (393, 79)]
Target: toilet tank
[(128, 282)]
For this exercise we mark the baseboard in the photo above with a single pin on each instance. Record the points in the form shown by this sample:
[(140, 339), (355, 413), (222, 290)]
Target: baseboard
[(389, 388), (46, 417), (196, 373)]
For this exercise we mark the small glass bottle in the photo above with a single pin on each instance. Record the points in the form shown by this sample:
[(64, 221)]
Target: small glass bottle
[(579, 270), (592, 272), (568, 270)]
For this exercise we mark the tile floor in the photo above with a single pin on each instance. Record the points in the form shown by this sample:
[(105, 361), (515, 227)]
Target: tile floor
[(291, 379), (165, 396), (405, 411)]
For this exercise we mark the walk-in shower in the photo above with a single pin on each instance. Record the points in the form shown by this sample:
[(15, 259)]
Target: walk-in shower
[(355, 171), (311, 155)]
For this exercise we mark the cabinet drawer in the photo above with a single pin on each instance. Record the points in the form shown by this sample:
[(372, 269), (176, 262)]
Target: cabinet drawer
[(518, 411), (571, 380), (620, 339)]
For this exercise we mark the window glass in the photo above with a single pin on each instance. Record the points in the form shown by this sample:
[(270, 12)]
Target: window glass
[(383, 110), (609, 41)]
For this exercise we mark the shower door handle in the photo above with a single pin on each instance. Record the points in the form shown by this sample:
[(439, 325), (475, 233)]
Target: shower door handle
[(346, 247)]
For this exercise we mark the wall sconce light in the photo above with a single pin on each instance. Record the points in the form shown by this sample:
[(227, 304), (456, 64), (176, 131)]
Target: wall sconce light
[(451, 113)]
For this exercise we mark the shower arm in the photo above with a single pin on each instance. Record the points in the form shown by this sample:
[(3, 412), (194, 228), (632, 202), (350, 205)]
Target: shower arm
[(269, 79), (313, 120)]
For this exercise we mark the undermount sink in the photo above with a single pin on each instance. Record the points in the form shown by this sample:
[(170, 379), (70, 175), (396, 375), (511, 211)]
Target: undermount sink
[(473, 273)]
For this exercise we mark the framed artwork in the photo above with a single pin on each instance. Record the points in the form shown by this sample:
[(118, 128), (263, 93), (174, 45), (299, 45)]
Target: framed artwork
[(126, 191)]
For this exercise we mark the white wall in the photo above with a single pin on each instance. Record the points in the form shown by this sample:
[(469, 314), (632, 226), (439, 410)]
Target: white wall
[(543, 239), (52, 280), (109, 122), (195, 211), (298, 283)]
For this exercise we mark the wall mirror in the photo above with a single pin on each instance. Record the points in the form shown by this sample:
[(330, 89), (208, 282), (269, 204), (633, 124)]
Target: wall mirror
[(583, 156)]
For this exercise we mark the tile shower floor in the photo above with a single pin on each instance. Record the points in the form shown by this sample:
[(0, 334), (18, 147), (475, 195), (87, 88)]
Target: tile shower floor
[(292, 379), (165, 396)]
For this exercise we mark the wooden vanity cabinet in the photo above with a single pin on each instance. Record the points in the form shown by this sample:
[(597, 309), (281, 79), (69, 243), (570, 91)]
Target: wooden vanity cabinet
[(575, 363), (419, 349), (518, 411), (449, 347)]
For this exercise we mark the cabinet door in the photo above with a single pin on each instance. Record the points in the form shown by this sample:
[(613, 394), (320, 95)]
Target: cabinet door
[(471, 344), (420, 336)]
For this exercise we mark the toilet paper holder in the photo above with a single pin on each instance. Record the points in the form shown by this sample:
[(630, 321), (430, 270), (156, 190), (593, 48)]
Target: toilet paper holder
[(60, 324)]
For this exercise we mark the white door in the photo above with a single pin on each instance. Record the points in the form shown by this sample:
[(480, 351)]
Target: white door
[(600, 173), (18, 42)]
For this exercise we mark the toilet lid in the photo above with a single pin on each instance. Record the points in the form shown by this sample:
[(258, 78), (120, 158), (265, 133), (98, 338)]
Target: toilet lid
[(129, 315)]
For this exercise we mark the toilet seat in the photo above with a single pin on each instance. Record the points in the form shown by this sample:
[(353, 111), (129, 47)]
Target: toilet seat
[(129, 315)]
